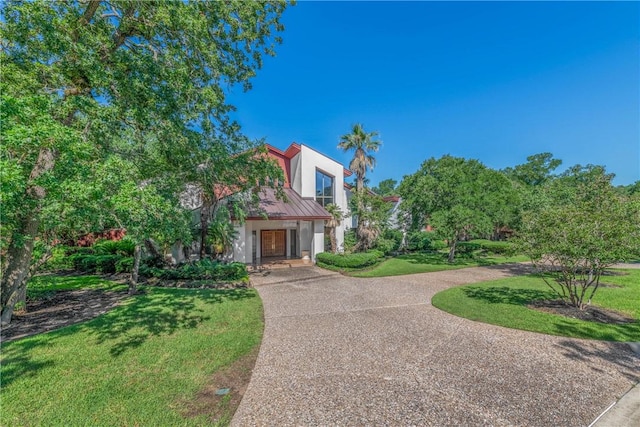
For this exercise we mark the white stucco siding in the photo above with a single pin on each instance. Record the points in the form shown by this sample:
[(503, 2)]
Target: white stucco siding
[(312, 160), (318, 238)]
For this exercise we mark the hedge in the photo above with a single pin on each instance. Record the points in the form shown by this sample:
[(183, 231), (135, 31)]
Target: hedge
[(355, 260), (200, 270)]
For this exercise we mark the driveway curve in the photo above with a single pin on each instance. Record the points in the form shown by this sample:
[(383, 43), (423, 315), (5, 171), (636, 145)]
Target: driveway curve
[(339, 350)]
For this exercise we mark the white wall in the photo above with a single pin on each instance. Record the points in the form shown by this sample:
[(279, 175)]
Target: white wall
[(318, 238), (305, 176)]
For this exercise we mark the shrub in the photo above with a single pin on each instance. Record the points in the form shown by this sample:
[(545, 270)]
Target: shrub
[(386, 245), (59, 259), (124, 265), (466, 249), (495, 247), (200, 270), (350, 240), (101, 264), (355, 260), (419, 241), (437, 245), (124, 247)]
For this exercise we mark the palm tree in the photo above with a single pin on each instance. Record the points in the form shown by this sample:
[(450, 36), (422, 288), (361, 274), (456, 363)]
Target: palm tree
[(336, 219), (362, 143)]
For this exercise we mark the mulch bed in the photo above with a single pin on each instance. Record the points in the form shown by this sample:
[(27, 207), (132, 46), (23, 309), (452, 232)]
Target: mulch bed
[(590, 314), (61, 309), (64, 308)]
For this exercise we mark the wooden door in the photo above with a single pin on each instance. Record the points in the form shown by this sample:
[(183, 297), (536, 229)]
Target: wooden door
[(273, 243)]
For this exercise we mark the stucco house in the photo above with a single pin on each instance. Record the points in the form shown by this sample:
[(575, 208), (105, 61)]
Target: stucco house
[(295, 227)]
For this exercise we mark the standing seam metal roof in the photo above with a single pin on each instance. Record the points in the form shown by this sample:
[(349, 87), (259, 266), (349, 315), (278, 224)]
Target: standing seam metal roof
[(294, 207)]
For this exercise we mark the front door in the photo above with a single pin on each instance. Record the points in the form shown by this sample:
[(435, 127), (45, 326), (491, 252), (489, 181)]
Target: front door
[(273, 243)]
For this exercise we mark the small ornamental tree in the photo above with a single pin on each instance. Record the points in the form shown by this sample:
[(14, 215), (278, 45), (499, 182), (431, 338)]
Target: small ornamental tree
[(336, 219), (573, 241)]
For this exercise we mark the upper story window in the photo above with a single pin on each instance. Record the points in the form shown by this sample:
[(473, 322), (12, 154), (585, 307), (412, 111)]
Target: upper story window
[(324, 188)]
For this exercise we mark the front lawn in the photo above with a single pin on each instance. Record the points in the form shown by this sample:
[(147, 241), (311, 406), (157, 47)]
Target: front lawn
[(427, 262), (504, 302), (149, 361)]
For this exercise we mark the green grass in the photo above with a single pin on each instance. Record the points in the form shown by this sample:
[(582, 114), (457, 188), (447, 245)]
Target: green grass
[(139, 364), (44, 285), (503, 302), (428, 262)]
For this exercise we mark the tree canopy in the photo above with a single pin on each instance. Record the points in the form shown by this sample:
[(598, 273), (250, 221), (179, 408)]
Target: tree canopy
[(586, 227), (87, 82), (460, 198)]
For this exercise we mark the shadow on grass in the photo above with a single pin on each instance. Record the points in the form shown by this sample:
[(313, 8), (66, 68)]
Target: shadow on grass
[(158, 311), (614, 352), (612, 332), (18, 362), (506, 295), (433, 258)]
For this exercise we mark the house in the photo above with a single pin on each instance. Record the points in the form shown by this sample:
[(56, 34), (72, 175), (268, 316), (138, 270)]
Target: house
[(295, 227)]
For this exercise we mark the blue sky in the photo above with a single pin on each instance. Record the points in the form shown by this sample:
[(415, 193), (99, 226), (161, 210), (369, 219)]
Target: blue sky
[(494, 81)]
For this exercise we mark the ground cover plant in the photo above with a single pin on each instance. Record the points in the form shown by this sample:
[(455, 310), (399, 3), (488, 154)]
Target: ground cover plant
[(426, 262), (524, 303), (157, 359)]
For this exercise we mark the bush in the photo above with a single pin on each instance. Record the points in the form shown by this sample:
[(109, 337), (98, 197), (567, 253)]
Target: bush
[(59, 259), (124, 247), (355, 260), (124, 265), (390, 241), (199, 270), (419, 241), (386, 246), (437, 245), (466, 249), (101, 264), (350, 240)]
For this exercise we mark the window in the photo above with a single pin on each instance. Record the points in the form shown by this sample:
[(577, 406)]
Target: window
[(324, 188)]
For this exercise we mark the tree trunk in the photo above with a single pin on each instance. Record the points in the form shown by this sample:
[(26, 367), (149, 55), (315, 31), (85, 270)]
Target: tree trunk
[(21, 247), (133, 281), (334, 240), (452, 252), (18, 260), (205, 214)]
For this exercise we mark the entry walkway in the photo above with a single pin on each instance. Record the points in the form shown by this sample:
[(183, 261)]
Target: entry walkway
[(347, 351)]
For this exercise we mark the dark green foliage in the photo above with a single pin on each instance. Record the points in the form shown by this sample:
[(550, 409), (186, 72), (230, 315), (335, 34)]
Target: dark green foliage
[(386, 246), (351, 261), (467, 249), (390, 242), (103, 264), (419, 241), (124, 265), (122, 247), (200, 270), (350, 240)]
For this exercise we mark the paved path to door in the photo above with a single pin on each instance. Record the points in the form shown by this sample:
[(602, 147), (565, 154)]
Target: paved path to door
[(345, 351)]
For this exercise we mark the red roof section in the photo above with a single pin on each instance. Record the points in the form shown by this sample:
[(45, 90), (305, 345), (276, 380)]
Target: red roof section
[(284, 160)]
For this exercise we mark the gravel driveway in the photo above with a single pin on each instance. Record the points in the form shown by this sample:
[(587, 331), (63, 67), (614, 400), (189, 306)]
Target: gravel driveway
[(345, 351)]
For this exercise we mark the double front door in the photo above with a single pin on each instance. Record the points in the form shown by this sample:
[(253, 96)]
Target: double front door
[(273, 243)]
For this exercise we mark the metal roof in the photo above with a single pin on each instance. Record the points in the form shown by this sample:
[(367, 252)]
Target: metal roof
[(294, 207)]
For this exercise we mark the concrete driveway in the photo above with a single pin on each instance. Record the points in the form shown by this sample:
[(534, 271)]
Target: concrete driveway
[(345, 351)]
